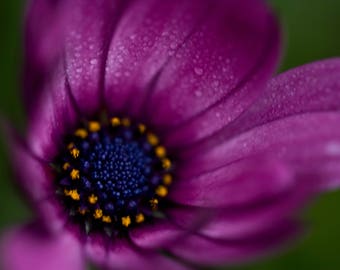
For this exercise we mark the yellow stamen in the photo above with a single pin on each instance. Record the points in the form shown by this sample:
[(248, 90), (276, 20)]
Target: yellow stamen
[(141, 128), (82, 211), (154, 203), (66, 166), (75, 152), (140, 218), (115, 121), (70, 146), (126, 122), (93, 199), (167, 179), (160, 151), (98, 213), (74, 174), (106, 219), (82, 133), (94, 126), (73, 194), (161, 191), (126, 221), (152, 139), (166, 163)]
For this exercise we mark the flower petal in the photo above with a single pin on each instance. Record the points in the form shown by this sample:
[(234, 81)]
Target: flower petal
[(157, 235), (31, 248), (76, 33), (43, 45), (35, 178), (155, 45), (313, 87), (218, 114), (32, 175), (96, 248), (309, 143), (216, 68), (52, 215), (87, 39), (146, 38), (125, 256), (243, 222), (239, 183), (204, 251), (53, 115)]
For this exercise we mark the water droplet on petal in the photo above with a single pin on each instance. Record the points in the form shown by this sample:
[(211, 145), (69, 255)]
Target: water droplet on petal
[(198, 93), (198, 71)]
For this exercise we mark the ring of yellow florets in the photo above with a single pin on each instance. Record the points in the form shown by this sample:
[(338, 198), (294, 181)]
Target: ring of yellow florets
[(112, 175)]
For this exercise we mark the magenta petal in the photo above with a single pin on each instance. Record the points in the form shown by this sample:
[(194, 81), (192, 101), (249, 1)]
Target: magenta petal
[(218, 61), (51, 118), (310, 88), (33, 176), (88, 35), (31, 248), (244, 222), (43, 45), (125, 256), (309, 143), (76, 33), (242, 182), (157, 235), (313, 87), (225, 110), (205, 251), (286, 121), (148, 35), (52, 215), (96, 248)]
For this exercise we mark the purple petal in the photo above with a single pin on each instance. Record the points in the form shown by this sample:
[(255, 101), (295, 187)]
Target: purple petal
[(77, 34), (204, 251), (217, 64), (155, 46), (292, 120), (309, 143), (43, 45), (310, 88), (231, 105), (31, 248), (157, 235), (96, 248), (244, 222), (123, 255), (32, 175), (148, 35), (87, 39), (242, 182), (52, 215), (35, 178), (51, 117)]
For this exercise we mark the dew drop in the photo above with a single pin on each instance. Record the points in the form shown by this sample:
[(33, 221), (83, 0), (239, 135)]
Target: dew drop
[(93, 61), (198, 71), (198, 93), (173, 45)]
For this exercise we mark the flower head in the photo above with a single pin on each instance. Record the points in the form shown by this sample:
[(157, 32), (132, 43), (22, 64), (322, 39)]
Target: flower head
[(154, 140)]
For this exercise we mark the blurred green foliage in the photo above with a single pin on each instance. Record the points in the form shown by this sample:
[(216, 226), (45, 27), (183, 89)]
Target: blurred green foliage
[(311, 31)]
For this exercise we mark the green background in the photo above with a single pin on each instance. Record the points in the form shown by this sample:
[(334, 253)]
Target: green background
[(311, 30)]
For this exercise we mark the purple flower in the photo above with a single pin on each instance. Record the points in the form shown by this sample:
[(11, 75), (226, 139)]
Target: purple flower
[(155, 139)]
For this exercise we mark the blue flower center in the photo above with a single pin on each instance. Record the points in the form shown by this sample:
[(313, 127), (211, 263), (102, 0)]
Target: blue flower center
[(112, 175)]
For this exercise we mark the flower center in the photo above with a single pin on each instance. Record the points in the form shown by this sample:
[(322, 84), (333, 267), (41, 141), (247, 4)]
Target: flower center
[(112, 175)]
